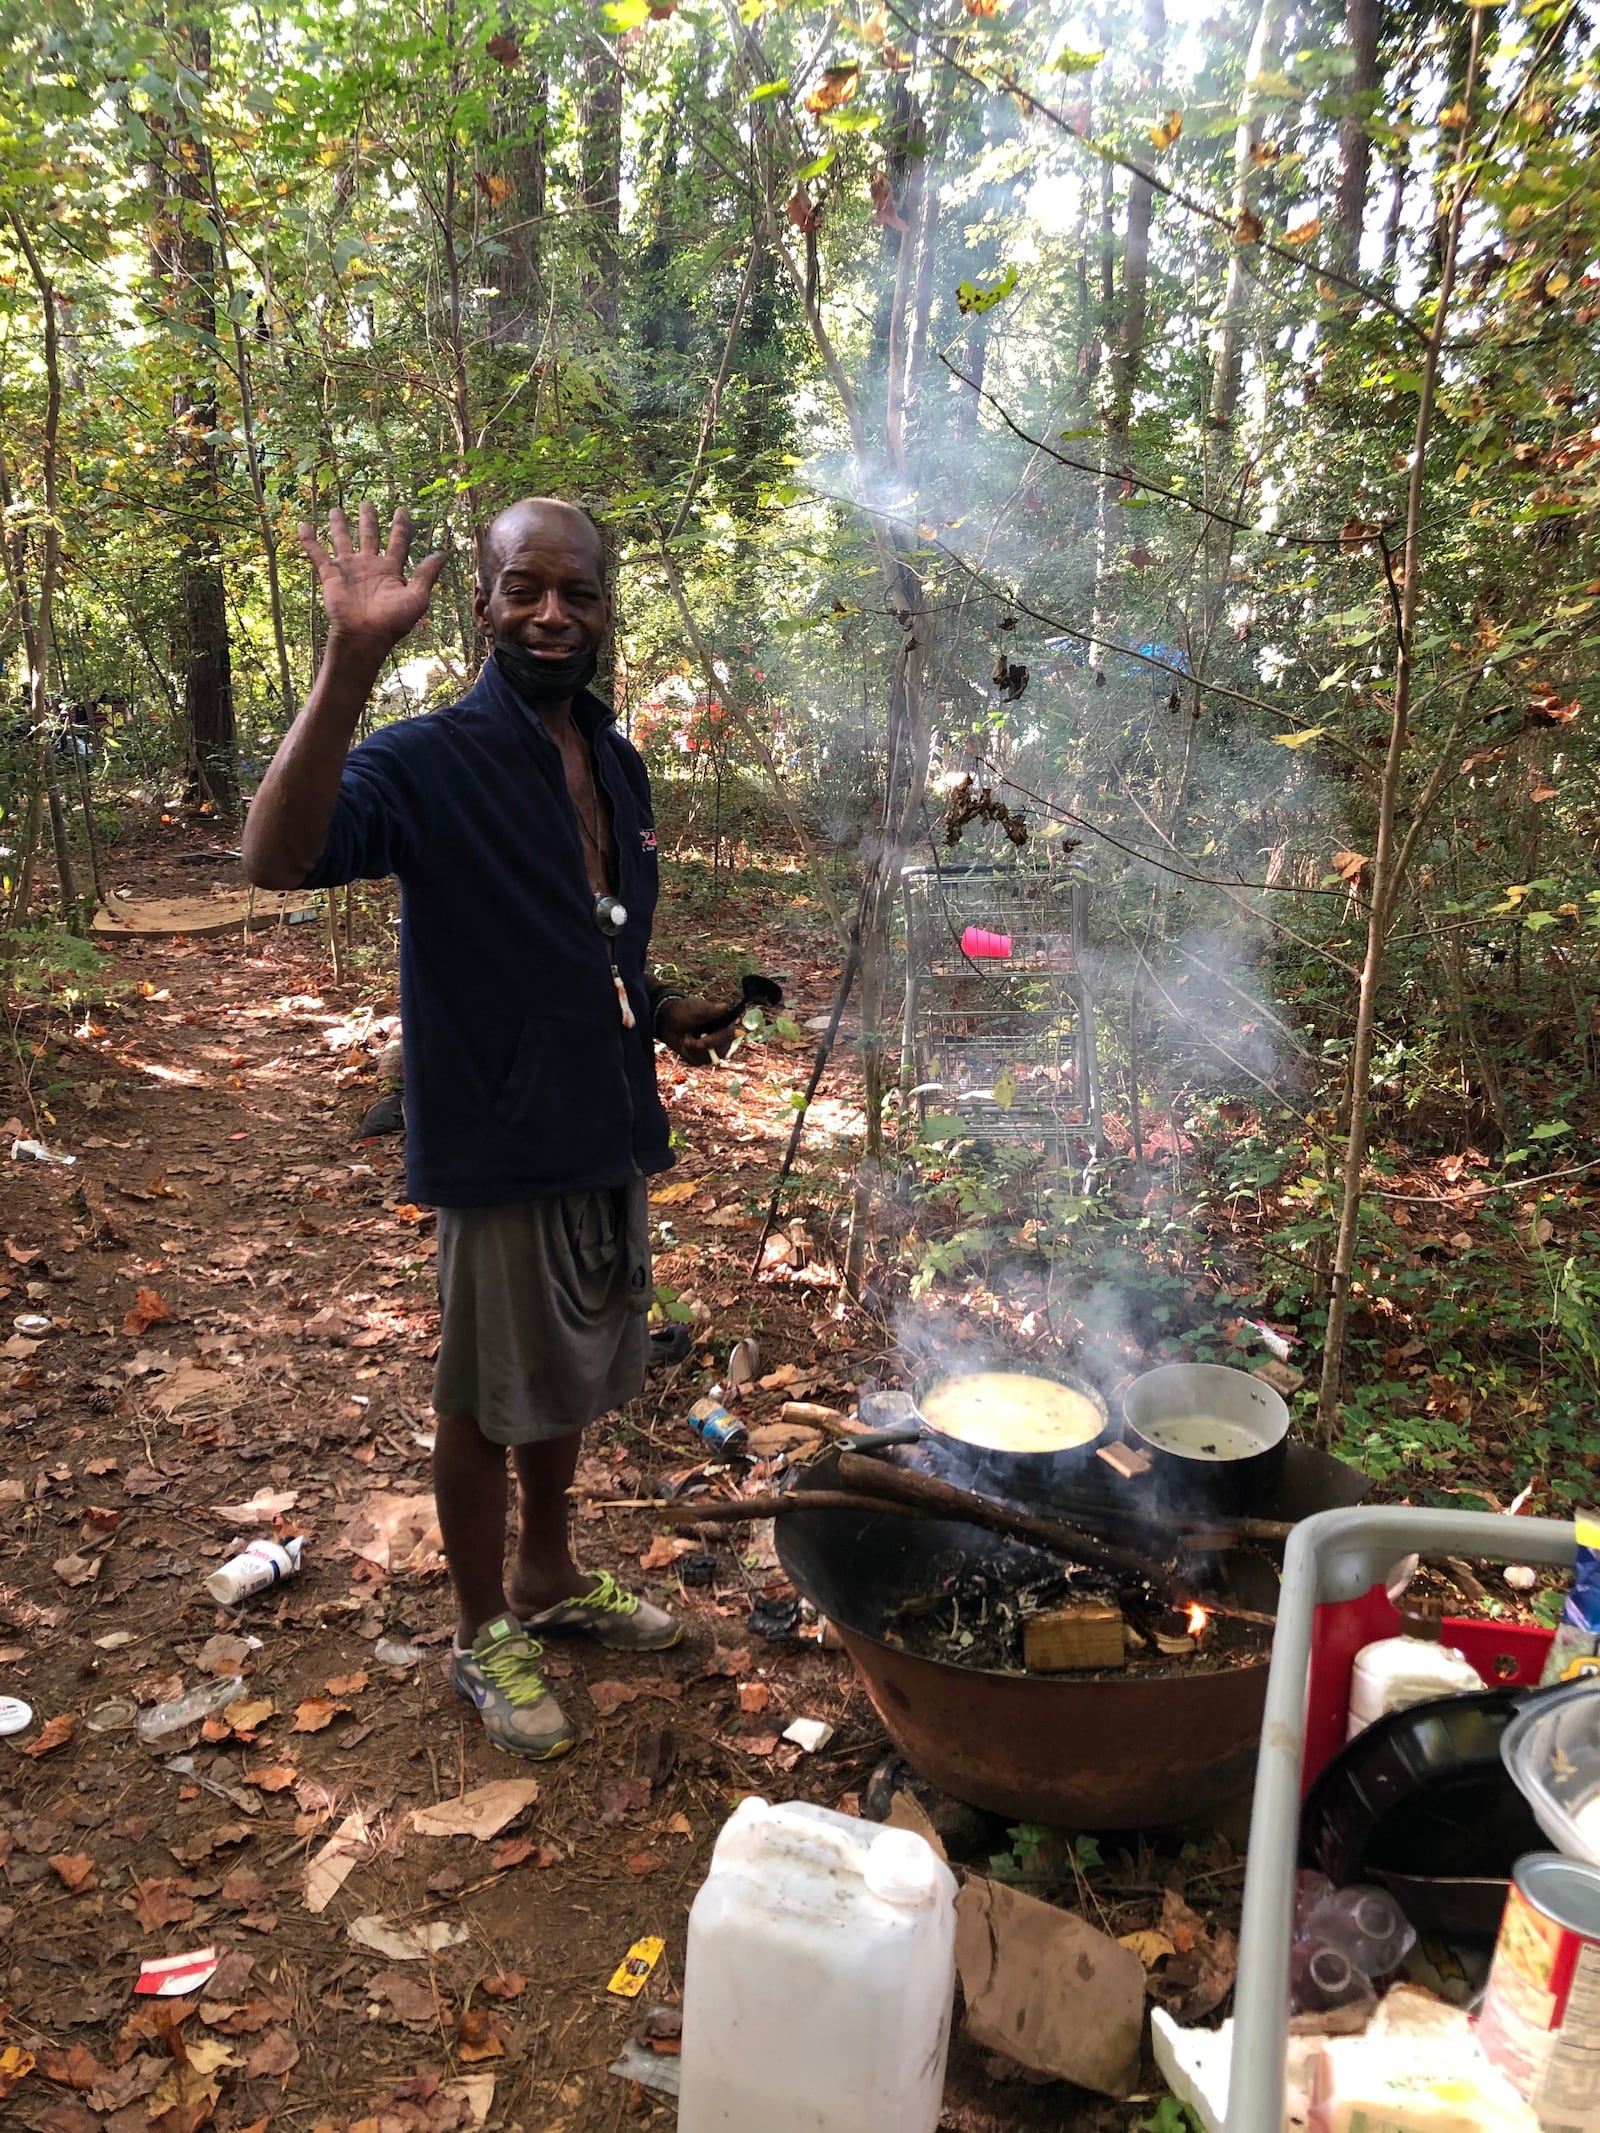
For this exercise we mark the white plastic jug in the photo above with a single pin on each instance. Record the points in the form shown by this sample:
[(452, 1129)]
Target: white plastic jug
[(820, 1975), (1414, 1667)]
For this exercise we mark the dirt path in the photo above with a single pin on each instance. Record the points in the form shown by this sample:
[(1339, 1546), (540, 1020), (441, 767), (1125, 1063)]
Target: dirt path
[(240, 1314)]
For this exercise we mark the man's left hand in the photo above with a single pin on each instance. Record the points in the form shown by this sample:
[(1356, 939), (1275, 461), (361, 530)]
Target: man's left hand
[(681, 1026)]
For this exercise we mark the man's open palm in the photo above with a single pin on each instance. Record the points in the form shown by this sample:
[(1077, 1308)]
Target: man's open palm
[(369, 599)]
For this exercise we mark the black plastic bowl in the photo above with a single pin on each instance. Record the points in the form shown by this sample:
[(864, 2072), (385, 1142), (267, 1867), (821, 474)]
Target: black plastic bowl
[(1421, 1803)]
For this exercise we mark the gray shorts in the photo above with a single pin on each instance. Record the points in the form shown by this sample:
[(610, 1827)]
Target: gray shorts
[(543, 1312)]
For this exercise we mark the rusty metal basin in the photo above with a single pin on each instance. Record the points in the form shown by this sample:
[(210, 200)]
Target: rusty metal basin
[(1086, 1754)]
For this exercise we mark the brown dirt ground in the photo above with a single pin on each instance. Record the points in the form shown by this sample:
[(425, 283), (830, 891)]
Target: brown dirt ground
[(212, 1108)]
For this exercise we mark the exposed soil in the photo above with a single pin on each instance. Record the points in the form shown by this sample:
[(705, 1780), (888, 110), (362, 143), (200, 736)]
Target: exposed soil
[(241, 1312)]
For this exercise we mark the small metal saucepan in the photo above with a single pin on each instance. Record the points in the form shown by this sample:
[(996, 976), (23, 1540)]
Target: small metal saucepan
[(979, 1465), (1217, 1437)]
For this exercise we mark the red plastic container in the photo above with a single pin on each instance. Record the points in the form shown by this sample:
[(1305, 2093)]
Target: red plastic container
[(1506, 1654)]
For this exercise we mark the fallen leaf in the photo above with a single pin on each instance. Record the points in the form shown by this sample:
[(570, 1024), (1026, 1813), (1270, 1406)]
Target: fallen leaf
[(76, 1569), (411, 2000), (346, 1684), (15, 2067), (245, 1714), (75, 2068), (259, 1509), (644, 1864), (664, 1551), (277, 2053), (75, 1870), (55, 1733), (481, 1813), (513, 1852), (610, 1696), (272, 1777), (509, 1985), (754, 1697), (479, 2035), (314, 1714), (160, 1903), (675, 1193), (624, 1797), (148, 1310), (1150, 1947), (188, 1382)]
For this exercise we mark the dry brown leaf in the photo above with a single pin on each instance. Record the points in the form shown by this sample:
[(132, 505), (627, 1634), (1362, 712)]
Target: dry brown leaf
[(75, 1870), (272, 1777), (610, 1696), (276, 2053), (314, 1714), (1150, 1947), (55, 1733), (509, 1985), (644, 1864), (160, 1903), (247, 1713), (513, 1852), (835, 90), (754, 1697), (148, 1310), (346, 1684), (479, 2036)]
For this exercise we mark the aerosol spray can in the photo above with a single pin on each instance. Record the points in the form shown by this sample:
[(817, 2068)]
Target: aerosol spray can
[(722, 1435), (262, 1564)]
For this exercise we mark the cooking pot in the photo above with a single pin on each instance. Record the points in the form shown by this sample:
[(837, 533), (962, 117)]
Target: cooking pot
[(980, 1466), (1216, 1437)]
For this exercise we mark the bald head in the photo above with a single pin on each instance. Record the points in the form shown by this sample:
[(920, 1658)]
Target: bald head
[(542, 579), (539, 522)]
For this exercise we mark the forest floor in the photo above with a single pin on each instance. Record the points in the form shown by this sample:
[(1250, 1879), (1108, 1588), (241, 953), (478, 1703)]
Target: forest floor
[(241, 1324)]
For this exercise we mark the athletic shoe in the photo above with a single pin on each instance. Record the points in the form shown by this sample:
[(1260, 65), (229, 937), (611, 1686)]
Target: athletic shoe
[(501, 1675), (618, 1618)]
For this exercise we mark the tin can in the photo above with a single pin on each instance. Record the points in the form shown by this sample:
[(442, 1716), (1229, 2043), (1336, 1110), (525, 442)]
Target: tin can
[(720, 1433), (1540, 2023)]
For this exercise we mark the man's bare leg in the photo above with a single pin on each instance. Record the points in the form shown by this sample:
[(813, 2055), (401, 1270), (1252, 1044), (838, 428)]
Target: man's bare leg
[(543, 1573), (469, 1493)]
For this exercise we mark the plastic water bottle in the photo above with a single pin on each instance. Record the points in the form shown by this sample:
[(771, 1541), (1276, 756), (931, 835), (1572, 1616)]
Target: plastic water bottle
[(820, 1975), (165, 1719)]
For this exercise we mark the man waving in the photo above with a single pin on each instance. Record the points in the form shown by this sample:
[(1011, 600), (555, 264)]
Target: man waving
[(519, 824)]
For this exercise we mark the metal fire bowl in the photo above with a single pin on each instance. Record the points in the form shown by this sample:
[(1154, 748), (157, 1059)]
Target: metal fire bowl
[(1128, 1754)]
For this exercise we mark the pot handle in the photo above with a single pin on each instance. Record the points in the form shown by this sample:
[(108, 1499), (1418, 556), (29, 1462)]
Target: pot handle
[(879, 1440)]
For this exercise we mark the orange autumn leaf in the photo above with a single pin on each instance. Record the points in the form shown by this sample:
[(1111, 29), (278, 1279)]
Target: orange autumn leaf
[(346, 1684), (835, 90), (272, 1777), (1304, 232), (54, 1734), (315, 1713), (74, 1870), (148, 1310)]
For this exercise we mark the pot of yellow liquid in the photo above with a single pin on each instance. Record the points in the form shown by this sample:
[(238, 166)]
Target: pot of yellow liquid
[(1217, 1437), (1010, 1431)]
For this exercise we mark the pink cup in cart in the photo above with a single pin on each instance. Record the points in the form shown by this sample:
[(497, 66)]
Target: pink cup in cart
[(981, 946)]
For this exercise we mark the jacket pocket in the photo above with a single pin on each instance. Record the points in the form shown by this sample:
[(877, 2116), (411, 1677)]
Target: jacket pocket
[(522, 1093)]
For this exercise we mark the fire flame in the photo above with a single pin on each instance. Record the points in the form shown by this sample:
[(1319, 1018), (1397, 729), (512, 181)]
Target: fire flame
[(1198, 1618)]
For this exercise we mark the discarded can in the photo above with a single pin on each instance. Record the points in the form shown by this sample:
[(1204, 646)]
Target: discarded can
[(262, 1564), (1541, 2012), (717, 1430)]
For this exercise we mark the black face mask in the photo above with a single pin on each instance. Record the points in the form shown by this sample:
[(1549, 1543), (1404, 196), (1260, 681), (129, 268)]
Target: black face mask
[(543, 682)]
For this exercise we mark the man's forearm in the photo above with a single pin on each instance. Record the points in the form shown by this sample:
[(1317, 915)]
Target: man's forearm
[(287, 825)]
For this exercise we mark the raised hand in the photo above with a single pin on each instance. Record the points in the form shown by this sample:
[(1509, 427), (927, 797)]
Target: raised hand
[(371, 603)]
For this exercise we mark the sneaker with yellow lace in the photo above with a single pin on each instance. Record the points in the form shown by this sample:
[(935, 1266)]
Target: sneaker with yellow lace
[(617, 1618), (500, 1674)]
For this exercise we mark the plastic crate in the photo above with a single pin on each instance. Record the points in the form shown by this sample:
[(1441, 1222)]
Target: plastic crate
[(1336, 1568)]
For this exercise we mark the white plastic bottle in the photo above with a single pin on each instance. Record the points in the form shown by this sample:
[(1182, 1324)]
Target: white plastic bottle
[(1410, 1668), (820, 1975)]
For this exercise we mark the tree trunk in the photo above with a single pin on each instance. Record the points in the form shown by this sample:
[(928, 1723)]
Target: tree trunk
[(1355, 143), (1236, 305), (185, 259), (1391, 854), (600, 125), (516, 310)]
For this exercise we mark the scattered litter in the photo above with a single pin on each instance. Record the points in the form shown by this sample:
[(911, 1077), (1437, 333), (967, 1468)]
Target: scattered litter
[(328, 1871), (112, 1715), (165, 1719), (1521, 1577), (15, 1715), (481, 1813), (33, 1323), (1047, 1989), (186, 1767), (262, 1564), (632, 1974), (744, 1361), (171, 1976), (115, 1640), (395, 1532), (404, 1944), (37, 1152), (261, 1509), (398, 1652), (662, 2076), (811, 1734)]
